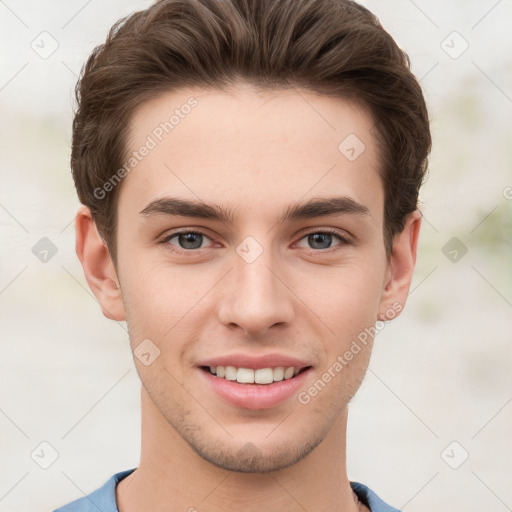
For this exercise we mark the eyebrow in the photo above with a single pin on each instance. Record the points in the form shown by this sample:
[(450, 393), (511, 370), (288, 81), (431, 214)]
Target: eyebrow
[(321, 207)]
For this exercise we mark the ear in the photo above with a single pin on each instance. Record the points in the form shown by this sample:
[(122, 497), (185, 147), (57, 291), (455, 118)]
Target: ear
[(400, 268), (98, 267)]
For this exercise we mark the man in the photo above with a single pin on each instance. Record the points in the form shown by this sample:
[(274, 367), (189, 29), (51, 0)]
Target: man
[(249, 171)]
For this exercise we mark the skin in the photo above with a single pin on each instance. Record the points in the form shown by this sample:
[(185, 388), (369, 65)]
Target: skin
[(255, 152)]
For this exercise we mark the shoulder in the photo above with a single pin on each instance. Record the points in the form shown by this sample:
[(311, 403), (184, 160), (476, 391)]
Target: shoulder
[(103, 498), (370, 499)]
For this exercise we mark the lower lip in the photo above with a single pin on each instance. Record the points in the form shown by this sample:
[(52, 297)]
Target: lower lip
[(255, 396)]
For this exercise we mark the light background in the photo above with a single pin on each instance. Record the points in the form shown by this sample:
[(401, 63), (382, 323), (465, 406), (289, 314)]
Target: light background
[(440, 373)]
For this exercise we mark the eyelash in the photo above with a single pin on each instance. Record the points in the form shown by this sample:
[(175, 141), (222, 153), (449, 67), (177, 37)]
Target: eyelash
[(343, 239)]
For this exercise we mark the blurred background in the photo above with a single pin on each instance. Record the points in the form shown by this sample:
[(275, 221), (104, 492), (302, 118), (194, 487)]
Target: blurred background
[(430, 428)]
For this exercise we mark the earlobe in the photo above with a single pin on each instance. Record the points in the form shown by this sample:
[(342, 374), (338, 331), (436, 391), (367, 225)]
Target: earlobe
[(98, 267), (400, 269)]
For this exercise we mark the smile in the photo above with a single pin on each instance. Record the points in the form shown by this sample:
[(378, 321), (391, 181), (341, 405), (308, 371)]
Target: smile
[(254, 376)]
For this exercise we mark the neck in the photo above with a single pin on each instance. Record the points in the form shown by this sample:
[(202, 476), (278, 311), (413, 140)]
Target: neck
[(171, 475)]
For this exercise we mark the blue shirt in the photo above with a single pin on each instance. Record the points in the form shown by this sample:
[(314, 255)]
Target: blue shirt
[(104, 498)]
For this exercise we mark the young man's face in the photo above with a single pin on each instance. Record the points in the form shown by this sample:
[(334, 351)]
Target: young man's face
[(255, 285)]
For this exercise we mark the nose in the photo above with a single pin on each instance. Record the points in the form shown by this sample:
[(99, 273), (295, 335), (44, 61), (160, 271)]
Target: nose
[(255, 296)]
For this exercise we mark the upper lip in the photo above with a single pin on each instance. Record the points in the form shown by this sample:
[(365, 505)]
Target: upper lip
[(255, 362)]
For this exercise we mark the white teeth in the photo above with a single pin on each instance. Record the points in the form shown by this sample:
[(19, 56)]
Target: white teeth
[(288, 373), (264, 376), (278, 373), (245, 376), (230, 373), (259, 376)]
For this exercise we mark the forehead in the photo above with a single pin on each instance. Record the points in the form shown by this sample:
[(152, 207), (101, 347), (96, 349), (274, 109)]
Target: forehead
[(250, 149)]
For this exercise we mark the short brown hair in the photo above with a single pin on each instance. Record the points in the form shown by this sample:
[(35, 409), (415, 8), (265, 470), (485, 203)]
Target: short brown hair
[(332, 47)]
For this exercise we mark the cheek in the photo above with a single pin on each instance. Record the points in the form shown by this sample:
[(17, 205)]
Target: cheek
[(145, 296), (153, 305), (348, 298), (163, 304)]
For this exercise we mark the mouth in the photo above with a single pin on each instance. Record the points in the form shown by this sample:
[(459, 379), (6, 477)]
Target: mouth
[(263, 376), (254, 381), (252, 388)]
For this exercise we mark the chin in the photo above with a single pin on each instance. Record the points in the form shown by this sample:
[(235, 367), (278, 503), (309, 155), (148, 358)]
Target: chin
[(251, 459)]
